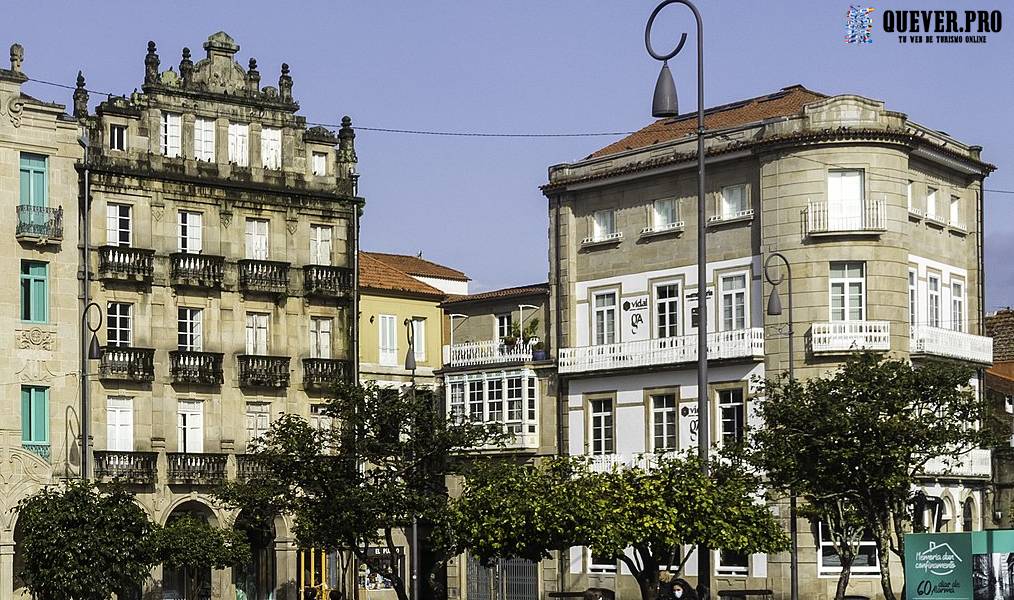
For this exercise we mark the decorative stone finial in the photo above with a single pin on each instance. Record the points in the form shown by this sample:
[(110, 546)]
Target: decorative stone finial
[(186, 68), (253, 77), (285, 84), (151, 63), (17, 57), (346, 156), (80, 97)]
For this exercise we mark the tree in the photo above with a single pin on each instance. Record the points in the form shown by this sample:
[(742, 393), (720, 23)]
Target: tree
[(525, 511), (853, 443), (352, 484), (190, 543), (83, 544)]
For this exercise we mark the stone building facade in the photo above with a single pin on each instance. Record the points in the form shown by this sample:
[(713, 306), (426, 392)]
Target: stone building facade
[(881, 220), (223, 241), (39, 416)]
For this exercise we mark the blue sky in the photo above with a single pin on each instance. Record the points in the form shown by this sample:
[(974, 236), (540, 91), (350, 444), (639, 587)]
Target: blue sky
[(549, 66)]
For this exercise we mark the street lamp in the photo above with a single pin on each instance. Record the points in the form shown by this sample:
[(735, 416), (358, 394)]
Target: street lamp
[(774, 309), (664, 104), (92, 351), (411, 366)]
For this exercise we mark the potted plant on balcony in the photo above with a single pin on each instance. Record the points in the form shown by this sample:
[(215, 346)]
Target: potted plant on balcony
[(511, 339), (539, 351)]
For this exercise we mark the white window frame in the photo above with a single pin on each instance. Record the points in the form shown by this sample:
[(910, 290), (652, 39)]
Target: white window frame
[(319, 420), (495, 412), (721, 405), (476, 400), (666, 309), (419, 338), (934, 318), (608, 333), (239, 144), (600, 568), (664, 416), (913, 298), (190, 329), (271, 147), (603, 224), (908, 193), (844, 209), (737, 299), (115, 310), (172, 134), (602, 427), (957, 305), (846, 284), (835, 570), (456, 400), (729, 211), (659, 221), (731, 570), (117, 137), (503, 325), (931, 202), (204, 139), (258, 238), (954, 212), (321, 337), (190, 231), (257, 330), (318, 163), (120, 423), (387, 328), (321, 244), (119, 224), (189, 418), (258, 419)]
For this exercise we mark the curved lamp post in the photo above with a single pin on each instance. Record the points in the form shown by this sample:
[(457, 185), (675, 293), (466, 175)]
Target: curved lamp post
[(94, 353), (410, 365), (775, 308), (665, 104)]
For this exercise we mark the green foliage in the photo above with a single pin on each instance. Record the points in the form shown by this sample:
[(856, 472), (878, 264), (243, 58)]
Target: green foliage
[(190, 542), (82, 544)]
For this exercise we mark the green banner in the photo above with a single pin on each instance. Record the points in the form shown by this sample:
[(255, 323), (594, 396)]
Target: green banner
[(960, 566)]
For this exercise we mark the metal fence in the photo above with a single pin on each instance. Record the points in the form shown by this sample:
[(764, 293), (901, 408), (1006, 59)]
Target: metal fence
[(515, 579)]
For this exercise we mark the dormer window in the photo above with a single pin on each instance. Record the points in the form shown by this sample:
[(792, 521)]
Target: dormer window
[(319, 163), (239, 144), (171, 134), (117, 137), (271, 147)]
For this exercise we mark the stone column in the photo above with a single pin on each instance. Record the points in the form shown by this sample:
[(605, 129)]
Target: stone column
[(286, 565), (7, 572)]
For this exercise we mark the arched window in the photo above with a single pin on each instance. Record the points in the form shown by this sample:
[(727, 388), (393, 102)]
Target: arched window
[(967, 513)]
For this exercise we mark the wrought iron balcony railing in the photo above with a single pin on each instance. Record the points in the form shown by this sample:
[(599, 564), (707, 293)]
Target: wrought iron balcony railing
[(133, 467), (39, 224), (40, 449), (200, 368), (264, 276), (197, 270), (263, 371), (124, 262), (327, 281), (325, 372), (196, 468), (127, 363)]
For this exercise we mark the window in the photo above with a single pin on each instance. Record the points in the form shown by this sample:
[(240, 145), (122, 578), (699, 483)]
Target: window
[(256, 333), (667, 309), (732, 563), (320, 245), (171, 134), (118, 230), (866, 559), (117, 137), (239, 144), (475, 402), (258, 419), (664, 214), (319, 163), (533, 391), (204, 139), (931, 202), (602, 426), (494, 400), (600, 564), (968, 515), (515, 404), (734, 201), (118, 324), (189, 334), (848, 291), (456, 390), (503, 326), (908, 192), (388, 340), (604, 224), (845, 199), (35, 419), (189, 228), (933, 300), (419, 338), (913, 298), (955, 214), (271, 147), (605, 318), (731, 409), (33, 180), (119, 424), (190, 426), (957, 306), (733, 302), (34, 291), (663, 421), (320, 337), (257, 239), (319, 419)]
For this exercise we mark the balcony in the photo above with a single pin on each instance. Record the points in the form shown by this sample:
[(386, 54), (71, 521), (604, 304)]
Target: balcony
[(199, 368), (263, 371), (39, 224), (850, 336), (487, 352), (722, 345), (819, 219), (266, 276), (325, 373), (40, 449), (124, 262), (194, 468), (196, 270), (327, 281), (977, 463), (127, 364), (936, 341), (248, 467), (132, 467)]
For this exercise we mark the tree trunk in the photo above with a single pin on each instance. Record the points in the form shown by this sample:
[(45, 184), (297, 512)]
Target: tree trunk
[(647, 581), (843, 578), (884, 558)]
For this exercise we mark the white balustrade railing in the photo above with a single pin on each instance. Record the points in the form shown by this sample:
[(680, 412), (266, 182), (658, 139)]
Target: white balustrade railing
[(977, 463), (739, 343), (488, 352), (846, 336), (951, 344), (821, 218)]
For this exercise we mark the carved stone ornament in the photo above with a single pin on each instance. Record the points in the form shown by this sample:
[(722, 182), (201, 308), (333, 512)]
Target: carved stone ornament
[(157, 212), (292, 226), (35, 371), (226, 217), (15, 106), (35, 339)]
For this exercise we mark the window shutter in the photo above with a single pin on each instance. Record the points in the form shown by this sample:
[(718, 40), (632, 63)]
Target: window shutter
[(40, 300), (195, 430), (40, 414), (325, 246), (26, 414), (197, 333), (195, 233), (112, 227), (325, 338), (251, 336)]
